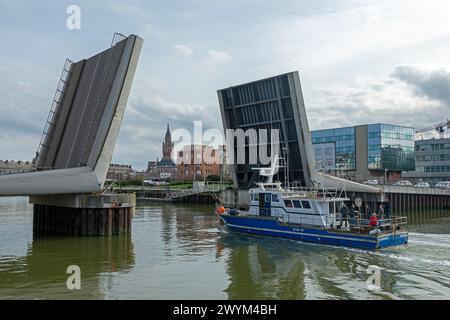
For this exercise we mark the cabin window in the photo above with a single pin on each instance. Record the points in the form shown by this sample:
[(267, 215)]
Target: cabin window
[(306, 204), (297, 204), (332, 208), (268, 198), (275, 198), (288, 203)]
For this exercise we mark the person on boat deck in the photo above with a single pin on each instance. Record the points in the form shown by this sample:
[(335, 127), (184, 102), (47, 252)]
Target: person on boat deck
[(345, 211), (387, 209), (380, 212), (352, 213), (368, 212), (374, 220)]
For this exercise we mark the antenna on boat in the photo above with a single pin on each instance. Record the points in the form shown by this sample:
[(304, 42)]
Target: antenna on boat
[(271, 171)]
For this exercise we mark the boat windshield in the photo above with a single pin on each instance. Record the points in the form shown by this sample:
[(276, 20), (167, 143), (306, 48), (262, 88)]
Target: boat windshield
[(335, 206)]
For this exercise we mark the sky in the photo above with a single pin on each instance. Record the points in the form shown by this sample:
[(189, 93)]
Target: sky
[(359, 62)]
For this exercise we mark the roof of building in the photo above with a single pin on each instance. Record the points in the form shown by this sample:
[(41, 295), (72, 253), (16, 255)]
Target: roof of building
[(166, 163)]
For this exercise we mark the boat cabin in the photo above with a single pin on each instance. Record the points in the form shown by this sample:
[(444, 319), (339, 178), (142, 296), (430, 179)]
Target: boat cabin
[(299, 206)]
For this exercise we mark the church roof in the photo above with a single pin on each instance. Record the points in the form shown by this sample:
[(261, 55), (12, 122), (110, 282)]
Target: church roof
[(166, 163)]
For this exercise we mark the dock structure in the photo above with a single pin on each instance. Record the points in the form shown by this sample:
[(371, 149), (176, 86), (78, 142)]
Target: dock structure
[(77, 145), (199, 193), (83, 214)]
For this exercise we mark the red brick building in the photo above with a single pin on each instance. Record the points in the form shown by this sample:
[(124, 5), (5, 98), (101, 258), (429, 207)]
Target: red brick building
[(197, 162)]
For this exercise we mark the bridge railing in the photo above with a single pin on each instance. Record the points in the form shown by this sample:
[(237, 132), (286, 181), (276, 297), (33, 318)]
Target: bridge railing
[(8, 172), (53, 114)]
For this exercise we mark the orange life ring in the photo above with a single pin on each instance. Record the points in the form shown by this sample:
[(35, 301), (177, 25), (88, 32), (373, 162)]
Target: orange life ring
[(221, 210)]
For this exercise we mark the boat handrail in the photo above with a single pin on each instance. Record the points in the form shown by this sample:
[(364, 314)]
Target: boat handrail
[(399, 223), (316, 220)]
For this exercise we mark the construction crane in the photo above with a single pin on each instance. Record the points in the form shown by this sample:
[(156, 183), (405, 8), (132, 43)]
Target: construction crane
[(439, 128)]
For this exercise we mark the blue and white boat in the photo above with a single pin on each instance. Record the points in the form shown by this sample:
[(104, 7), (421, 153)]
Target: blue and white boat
[(311, 216)]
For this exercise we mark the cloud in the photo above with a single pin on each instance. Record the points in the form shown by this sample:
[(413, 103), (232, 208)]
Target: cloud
[(183, 51), (218, 57), (410, 96), (146, 109), (145, 125), (330, 42), (26, 96), (433, 84), (213, 60), (139, 14), (17, 147)]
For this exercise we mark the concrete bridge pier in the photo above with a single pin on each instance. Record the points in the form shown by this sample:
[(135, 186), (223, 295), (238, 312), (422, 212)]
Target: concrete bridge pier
[(83, 214)]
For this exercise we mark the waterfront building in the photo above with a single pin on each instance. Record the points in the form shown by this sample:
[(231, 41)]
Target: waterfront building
[(119, 172), (164, 168), (13, 167), (432, 161), (272, 103), (198, 162), (371, 150)]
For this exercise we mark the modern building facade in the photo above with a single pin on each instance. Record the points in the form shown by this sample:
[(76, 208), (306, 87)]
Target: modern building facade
[(270, 104), (432, 161), (335, 149), (366, 150)]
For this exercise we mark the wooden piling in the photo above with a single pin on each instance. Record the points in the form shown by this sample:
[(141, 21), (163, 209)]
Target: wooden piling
[(51, 220)]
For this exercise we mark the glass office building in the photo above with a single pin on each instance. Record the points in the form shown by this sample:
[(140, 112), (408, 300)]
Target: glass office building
[(390, 148), (345, 146), (367, 148)]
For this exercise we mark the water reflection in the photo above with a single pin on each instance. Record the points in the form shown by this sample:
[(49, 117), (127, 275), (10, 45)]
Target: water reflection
[(264, 268), (257, 272), (423, 217), (41, 274), (182, 252), (186, 230)]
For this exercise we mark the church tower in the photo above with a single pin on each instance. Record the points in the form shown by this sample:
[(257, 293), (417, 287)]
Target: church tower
[(167, 146)]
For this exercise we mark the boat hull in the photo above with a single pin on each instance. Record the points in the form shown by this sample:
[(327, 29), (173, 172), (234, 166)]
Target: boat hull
[(273, 228)]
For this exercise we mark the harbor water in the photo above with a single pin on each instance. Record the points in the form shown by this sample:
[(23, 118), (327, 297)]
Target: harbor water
[(182, 252)]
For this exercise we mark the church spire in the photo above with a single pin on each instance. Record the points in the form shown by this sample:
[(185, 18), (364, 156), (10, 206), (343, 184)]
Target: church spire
[(168, 130), (167, 145)]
